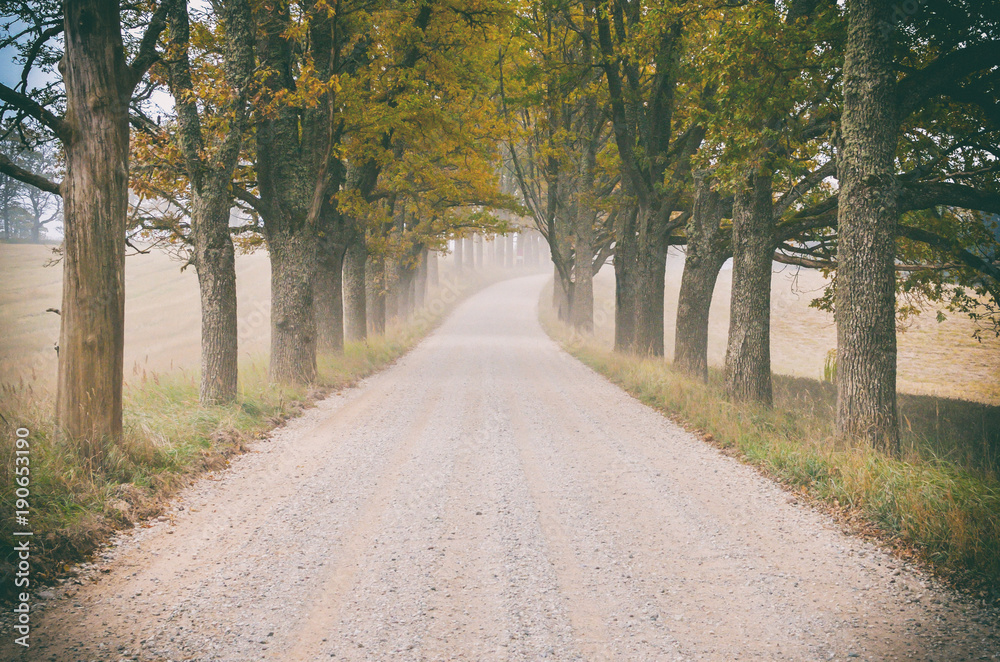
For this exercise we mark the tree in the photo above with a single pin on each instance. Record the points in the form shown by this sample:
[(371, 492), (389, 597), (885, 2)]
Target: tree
[(99, 84), (866, 222), (211, 146), (641, 47), (556, 154), (26, 209)]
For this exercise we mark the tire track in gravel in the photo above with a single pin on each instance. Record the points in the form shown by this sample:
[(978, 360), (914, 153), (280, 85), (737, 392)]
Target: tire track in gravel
[(386, 611), (349, 553)]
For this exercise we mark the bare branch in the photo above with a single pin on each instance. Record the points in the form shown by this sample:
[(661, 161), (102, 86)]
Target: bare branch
[(148, 55), (10, 168), (33, 109)]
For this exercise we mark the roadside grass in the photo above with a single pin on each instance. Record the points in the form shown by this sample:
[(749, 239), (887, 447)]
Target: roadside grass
[(946, 512), (169, 439)]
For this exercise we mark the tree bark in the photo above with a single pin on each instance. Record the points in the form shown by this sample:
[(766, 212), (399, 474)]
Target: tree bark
[(562, 294), (626, 250), (420, 286), (215, 261), (330, 298), (375, 285), (748, 353), (703, 260), (867, 217), (293, 317), (394, 289), (355, 303), (95, 194), (407, 276), (582, 308), (650, 286)]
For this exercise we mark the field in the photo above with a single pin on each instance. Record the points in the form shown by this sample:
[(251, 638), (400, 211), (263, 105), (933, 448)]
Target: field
[(162, 318), (938, 359)]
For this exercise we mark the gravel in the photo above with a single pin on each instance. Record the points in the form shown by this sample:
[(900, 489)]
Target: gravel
[(489, 497)]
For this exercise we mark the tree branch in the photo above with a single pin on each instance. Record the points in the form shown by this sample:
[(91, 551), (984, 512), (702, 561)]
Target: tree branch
[(922, 195), (147, 55), (250, 199), (939, 75), (33, 109), (968, 258), (11, 169)]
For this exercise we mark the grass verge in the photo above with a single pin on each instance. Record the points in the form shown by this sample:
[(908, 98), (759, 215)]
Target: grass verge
[(946, 515), (169, 439)]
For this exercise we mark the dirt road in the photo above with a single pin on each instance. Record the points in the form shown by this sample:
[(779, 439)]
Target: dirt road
[(489, 498)]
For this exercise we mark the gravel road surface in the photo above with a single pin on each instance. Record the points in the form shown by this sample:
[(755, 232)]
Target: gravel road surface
[(490, 498)]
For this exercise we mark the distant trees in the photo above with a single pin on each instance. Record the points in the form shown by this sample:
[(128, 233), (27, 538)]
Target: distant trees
[(26, 210)]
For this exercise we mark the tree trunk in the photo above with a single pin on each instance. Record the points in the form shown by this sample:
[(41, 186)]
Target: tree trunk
[(210, 175), (508, 250), (748, 354), (405, 287), (420, 286), (293, 316), (582, 308), (703, 260), (469, 250), (626, 250), (562, 294), (394, 289), (95, 194), (355, 303), (215, 261), (867, 216), (433, 277), (375, 286), (649, 293), (479, 240), (330, 299), (459, 253)]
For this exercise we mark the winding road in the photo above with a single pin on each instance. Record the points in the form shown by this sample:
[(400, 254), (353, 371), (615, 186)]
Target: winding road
[(490, 498)]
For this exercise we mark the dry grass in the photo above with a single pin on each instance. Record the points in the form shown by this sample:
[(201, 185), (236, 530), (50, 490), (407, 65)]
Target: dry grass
[(169, 436)]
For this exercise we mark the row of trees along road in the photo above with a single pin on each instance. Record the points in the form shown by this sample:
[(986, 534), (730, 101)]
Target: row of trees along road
[(359, 136), (859, 138), (364, 130)]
